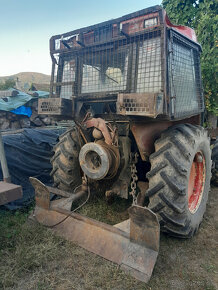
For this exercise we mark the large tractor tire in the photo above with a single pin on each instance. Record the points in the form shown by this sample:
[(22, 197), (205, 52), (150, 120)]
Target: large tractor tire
[(215, 163), (179, 179), (65, 161)]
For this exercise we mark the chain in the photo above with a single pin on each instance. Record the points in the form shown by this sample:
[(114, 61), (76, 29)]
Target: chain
[(134, 177)]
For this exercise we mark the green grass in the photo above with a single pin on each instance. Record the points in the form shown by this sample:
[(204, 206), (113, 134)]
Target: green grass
[(23, 247), (10, 227)]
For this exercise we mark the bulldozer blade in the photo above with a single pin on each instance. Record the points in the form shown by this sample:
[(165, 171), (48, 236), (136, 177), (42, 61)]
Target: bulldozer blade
[(132, 244)]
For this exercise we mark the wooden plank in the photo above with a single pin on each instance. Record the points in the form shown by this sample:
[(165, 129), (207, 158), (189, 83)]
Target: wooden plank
[(9, 192)]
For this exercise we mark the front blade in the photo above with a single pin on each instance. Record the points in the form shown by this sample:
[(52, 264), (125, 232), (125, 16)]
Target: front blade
[(122, 244)]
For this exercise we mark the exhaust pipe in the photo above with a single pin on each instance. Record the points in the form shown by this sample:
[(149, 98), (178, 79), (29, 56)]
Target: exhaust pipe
[(99, 160)]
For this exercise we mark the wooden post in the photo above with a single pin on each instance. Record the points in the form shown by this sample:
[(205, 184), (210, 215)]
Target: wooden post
[(3, 160)]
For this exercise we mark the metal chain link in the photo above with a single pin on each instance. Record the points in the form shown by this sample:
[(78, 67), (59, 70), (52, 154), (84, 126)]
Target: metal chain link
[(133, 184)]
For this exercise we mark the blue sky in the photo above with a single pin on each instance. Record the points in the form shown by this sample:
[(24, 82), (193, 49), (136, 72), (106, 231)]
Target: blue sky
[(26, 26)]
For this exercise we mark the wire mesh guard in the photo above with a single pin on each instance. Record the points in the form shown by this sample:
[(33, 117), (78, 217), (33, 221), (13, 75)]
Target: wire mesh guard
[(130, 65), (185, 78), (105, 71), (149, 66), (136, 64)]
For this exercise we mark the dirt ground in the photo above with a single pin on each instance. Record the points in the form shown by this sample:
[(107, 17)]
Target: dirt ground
[(31, 257)]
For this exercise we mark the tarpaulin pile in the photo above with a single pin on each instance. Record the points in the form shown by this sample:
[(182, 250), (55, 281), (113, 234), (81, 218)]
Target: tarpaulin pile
[(19, 109), (15, 98), (28, 153)]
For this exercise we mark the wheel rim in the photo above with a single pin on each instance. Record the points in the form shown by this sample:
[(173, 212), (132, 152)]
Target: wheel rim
[(196, 182)]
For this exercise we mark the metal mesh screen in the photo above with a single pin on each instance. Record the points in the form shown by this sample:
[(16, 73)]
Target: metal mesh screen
[(184, 78), (140, 56), (149, 66), (68, 76), (105, 71), (129, 65)]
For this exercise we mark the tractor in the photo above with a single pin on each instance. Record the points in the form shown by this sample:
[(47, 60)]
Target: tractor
[(132, 89)]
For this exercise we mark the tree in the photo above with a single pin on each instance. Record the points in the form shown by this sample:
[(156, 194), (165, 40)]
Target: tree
[(201, 15), (9, 83)]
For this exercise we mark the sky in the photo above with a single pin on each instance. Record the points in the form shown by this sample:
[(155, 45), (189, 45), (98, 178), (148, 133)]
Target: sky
[(26, 27)]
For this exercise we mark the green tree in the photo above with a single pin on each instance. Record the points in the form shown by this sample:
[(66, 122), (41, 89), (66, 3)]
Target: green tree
[(9, 83), (201, 15)]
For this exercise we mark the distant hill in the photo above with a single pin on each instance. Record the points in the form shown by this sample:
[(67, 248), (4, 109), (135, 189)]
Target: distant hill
[(25, 79)]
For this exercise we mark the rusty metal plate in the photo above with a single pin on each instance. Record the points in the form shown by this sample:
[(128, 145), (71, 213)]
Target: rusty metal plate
[(132, 244), (144, 227), (140, 104), (9, 192), (115, 243), (146, 133), (56, 106), (42, 194)]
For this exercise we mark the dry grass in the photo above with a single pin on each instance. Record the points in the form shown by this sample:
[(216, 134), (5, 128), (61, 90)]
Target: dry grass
[(31, 257), (110, 213)]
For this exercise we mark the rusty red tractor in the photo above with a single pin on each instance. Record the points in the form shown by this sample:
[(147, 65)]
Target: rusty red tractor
[(132, 87)]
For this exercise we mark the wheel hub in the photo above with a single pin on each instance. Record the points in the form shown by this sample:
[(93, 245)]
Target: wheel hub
[(99, 160)]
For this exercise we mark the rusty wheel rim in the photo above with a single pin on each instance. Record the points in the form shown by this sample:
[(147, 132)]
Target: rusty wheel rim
[(196, 182)]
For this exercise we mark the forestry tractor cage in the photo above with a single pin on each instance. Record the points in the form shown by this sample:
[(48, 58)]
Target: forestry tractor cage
[(123, 82), (137, 65)]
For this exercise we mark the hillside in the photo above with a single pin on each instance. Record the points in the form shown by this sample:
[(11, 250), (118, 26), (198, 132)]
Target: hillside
[(27, 78)]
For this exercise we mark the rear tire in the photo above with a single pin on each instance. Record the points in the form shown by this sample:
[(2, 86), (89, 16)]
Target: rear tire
[(65, 161), (179, 179)]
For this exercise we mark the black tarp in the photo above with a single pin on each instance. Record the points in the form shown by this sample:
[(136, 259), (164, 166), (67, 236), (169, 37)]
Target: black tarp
[(28, 153)]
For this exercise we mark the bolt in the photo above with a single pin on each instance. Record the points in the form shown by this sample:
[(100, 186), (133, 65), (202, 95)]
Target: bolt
[(199, 158)]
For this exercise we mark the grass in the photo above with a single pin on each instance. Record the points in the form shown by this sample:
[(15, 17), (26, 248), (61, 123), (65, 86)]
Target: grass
[(24, 248), (110, 213), (32, 257)]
